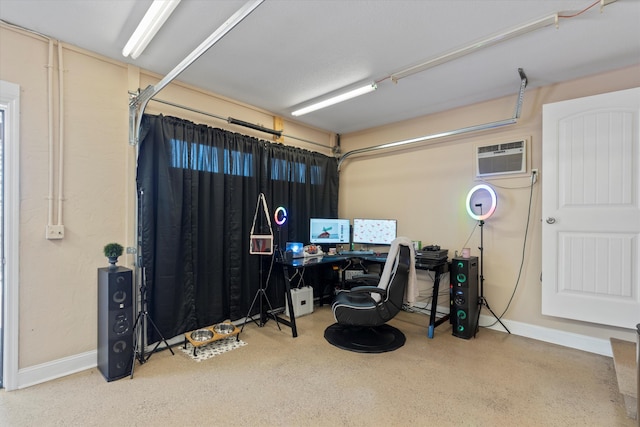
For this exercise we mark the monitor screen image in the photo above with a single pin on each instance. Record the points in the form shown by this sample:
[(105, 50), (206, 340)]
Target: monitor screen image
[(329, 231), (374, 231)]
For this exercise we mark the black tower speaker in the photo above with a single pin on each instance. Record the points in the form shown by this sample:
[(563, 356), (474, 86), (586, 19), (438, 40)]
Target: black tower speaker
[(115, 322), (465, 304)]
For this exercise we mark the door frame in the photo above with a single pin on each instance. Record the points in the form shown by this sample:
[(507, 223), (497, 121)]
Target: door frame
[(10, 103)]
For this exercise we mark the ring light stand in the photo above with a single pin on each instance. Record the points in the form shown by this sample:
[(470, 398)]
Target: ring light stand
[(471, 204)]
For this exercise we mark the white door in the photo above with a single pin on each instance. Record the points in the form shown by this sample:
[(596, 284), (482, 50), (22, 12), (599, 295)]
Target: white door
[(591, 209)]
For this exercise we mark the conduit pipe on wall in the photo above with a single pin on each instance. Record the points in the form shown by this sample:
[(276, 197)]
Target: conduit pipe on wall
[(475, 128), (55, 231), (60, 132), (50, 116)]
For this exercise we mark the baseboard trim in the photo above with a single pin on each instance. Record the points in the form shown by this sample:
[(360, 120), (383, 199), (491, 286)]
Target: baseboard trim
[(553, 336), (57, 369)]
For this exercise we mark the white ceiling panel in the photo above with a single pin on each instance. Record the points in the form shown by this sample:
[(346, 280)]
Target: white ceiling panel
[(287, 52)]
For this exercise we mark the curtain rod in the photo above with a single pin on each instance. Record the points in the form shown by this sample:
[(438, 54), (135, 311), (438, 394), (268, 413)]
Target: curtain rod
[(239, 122)]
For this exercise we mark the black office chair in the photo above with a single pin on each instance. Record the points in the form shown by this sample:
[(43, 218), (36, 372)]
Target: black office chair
[(362, 313)]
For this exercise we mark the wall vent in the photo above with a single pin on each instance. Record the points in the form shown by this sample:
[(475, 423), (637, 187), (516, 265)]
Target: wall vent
[(501, 159)]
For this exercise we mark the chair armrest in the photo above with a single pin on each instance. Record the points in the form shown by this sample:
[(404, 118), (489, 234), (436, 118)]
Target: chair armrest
[(362, 280), (375, 277), (368, 290)]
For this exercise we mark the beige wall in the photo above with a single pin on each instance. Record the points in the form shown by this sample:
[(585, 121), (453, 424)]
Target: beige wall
[(57, 289), (424, 188)]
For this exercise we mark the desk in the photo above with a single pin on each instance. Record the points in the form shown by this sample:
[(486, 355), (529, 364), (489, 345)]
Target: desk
[(291, 269), (438, 267), (324, 259), (296, 264)]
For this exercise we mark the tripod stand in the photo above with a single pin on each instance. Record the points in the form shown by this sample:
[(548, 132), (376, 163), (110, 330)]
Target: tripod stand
[(261, 297), (261, 294), (140, 327), (482, 301)]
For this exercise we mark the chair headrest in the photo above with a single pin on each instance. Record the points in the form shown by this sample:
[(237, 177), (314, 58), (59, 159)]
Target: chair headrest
[(391, 265)]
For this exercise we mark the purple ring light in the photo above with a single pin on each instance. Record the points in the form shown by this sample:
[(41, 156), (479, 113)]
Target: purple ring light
[(280, 216)]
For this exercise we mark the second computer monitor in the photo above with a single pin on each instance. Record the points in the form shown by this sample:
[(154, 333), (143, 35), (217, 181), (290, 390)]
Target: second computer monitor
[(374, 231)]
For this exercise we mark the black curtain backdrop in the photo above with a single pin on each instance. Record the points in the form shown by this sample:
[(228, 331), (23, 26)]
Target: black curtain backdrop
[(198, 188)]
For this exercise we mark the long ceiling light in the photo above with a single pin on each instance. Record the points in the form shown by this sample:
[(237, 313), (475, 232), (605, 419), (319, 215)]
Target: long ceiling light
[(153, 20), (480, 44), (361, 90)]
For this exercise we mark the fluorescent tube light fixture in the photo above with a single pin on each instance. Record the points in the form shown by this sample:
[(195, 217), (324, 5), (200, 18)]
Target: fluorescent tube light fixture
[(152, 21), (369, 87), (479, 44)]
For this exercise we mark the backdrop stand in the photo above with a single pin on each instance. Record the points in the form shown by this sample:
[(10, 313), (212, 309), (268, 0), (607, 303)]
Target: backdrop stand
[(140, 325), (139, 329)]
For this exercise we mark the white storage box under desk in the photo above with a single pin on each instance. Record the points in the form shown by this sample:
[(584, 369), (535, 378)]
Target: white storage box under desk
[(302, 300)]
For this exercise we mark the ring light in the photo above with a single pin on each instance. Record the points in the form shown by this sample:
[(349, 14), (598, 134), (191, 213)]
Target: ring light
[(475, 195), (280, 216)]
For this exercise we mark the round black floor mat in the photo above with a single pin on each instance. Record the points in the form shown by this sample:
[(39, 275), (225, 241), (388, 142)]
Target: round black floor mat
[(377, 339)]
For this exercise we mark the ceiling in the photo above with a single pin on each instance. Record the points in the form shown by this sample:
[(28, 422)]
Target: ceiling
[(287, 52)]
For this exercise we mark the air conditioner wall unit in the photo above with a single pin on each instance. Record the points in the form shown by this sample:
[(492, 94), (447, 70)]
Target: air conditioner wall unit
[(501, 158)]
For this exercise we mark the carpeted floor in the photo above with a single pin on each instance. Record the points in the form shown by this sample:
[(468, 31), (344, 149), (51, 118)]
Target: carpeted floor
[(276, 380)]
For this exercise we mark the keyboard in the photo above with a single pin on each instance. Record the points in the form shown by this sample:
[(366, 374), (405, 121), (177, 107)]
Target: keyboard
[(356, 253)]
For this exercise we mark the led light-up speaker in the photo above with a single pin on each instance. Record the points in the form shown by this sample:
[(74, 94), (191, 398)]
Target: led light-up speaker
[(465, 304)]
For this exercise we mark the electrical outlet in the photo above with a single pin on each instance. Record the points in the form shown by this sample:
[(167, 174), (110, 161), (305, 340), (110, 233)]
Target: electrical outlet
[(534, 175), (55, 232)]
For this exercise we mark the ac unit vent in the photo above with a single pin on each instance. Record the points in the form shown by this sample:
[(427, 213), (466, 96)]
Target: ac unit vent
[(501, 159)]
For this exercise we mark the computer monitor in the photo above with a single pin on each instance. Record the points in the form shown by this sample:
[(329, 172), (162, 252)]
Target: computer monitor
[(374, 231), (329, 231)]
